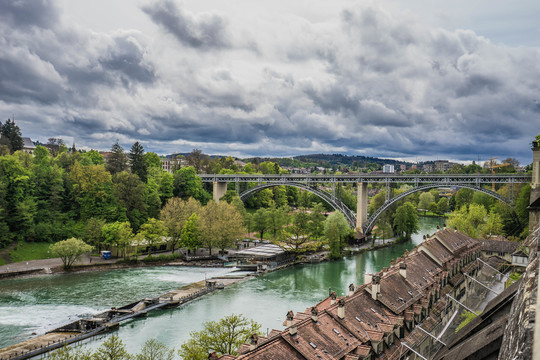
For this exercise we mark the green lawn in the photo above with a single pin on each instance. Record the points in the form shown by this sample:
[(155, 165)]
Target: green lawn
[(30, 251)]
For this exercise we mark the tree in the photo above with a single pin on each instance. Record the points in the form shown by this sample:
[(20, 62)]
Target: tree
[(195, 159), (223, 336), (174, 216), (12, 132), (492, 226), (155, 350), (275, 219), (117, 161), (138, 161), (260, 221), (153, 160), (93, 234), (336, 228), (426, 199), (297, 234), (191, 233), (94, 157), (56, 146), (131, 194), (187, 184), (118, 234), (69, 250), (152, 232), (464, 197), (222, 225), (317, 218), (442, 206), (112, 349), (406, 221)]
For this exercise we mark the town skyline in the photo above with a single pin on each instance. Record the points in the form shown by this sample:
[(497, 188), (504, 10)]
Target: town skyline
[(388, 79)]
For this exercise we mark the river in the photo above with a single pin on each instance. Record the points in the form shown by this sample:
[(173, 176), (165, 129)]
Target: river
[(38, 304)]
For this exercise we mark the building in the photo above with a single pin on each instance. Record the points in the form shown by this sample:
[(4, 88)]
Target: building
[(376, 319), (388, 169), (170, 165), (443, 165), (499, 247), (28, 145)]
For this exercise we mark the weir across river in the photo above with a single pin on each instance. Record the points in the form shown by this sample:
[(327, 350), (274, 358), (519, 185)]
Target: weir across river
[(318, 185)]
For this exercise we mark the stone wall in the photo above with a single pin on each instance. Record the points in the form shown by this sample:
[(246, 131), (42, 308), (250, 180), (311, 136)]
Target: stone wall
[(519, 333)]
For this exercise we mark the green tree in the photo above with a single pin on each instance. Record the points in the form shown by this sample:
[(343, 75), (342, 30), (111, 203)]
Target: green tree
[(406, 221), (70, 250), (117, 161), (317, 219), (155, 350), (336, 228), (187, 184), (93, 233), (191, 233), (260, 221), (68, 353), (442, 206), (492, 226), (222, 225), (153, 160), (112, 349), (137, 160), (522, 202), (94, 157), (275, 218), (174, 216), (223, 336), (426, 198), (131, 194), (297, 233), (464, 196), (483, 199), (12, 132), (152, 233), (118, 234)]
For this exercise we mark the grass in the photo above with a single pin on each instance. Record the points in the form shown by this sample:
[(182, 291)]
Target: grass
[(2, 261), (30, 251)]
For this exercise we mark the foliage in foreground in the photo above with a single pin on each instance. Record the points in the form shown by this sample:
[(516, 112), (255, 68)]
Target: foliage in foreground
[(466, 317), (113, 349), (223, 336)]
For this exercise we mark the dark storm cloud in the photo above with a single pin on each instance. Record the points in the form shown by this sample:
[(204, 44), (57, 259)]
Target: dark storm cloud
[(204, 31), (28, 13), (126, 57)]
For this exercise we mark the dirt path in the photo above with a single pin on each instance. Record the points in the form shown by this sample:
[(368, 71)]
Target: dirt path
[(4, 254)]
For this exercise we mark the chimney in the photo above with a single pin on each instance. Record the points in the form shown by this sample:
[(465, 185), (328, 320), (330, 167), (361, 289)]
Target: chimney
[(292, 327), (213, 356), (351, 289), (368, 278), (438, 228), (254, 338), (341, 309), (403, 269), (375, 286), (314, 314), (444, 226), (333, 297)]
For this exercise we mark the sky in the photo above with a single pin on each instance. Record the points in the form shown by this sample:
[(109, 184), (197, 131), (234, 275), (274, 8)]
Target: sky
[(405, 79)]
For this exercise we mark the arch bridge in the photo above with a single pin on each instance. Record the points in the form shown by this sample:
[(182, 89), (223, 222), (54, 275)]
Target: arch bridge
[(360, 220)]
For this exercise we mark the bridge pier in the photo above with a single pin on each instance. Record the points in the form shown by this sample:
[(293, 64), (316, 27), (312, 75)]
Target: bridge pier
[(361, 206), (220, 188)]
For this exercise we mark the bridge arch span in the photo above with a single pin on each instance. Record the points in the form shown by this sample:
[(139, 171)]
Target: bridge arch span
[(375, 216), (328, 198)]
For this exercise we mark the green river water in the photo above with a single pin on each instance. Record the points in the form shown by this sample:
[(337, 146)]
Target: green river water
[(38, 304)]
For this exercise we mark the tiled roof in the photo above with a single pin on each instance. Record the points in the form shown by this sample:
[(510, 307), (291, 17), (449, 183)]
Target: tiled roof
[(503, 246)]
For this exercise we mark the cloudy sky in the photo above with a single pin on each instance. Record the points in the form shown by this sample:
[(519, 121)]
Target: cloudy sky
[(385, 78)]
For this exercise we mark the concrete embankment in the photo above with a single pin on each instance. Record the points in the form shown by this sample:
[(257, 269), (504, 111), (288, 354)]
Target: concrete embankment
[(108, 320)]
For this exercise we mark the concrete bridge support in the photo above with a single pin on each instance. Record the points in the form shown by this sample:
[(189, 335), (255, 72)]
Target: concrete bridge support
[(220, 188), (361, 206)]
